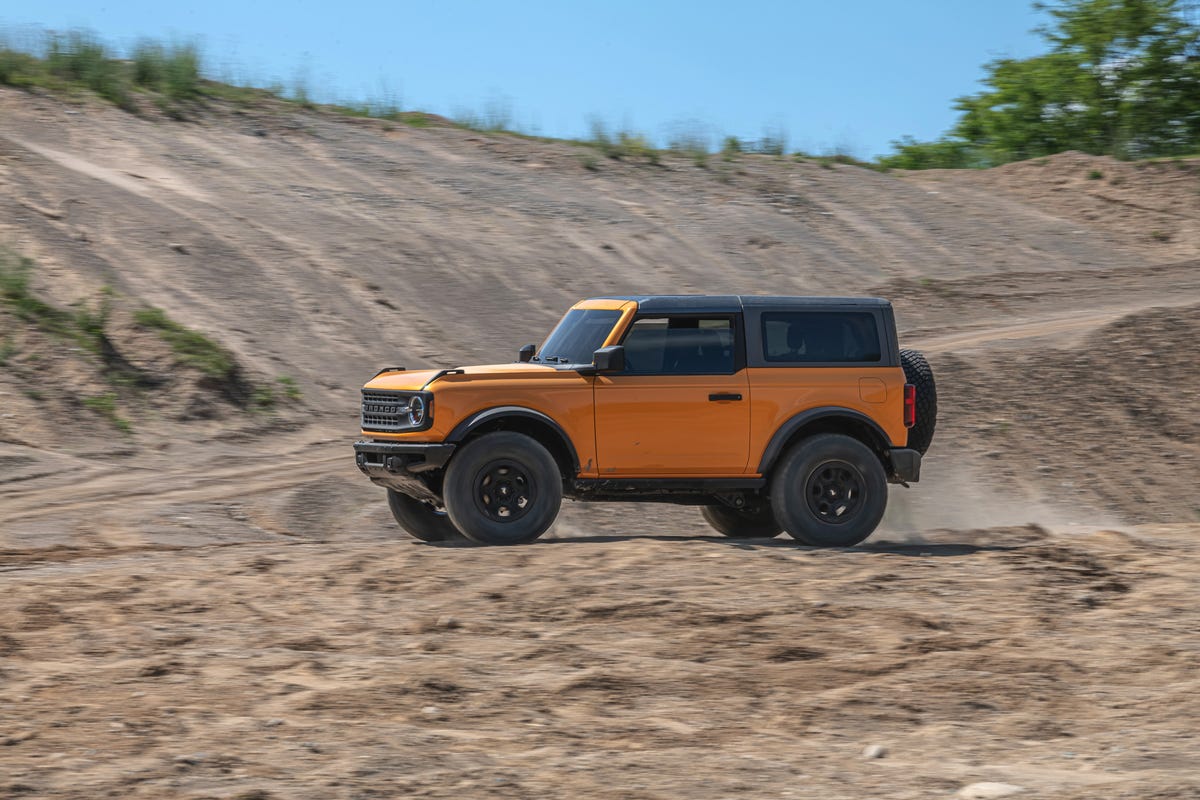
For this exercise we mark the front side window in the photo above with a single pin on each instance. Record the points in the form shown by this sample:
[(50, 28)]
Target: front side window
[(825, 337), (580, 333), (680, 346)]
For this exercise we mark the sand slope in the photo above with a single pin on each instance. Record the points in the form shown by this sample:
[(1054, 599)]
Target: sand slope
[(215, 604)]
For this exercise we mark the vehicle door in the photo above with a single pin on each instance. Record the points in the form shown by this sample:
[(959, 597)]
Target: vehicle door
[(681, 406)]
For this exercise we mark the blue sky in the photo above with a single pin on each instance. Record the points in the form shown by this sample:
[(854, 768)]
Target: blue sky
[(849, 75)]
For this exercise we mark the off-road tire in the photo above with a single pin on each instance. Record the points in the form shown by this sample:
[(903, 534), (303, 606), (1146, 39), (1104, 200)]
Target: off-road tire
[(829, 490), (421, 520), (918, 373), (486, 481), (738, 524)]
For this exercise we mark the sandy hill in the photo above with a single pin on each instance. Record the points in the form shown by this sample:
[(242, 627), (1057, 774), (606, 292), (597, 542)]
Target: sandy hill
[(314, 248), (202, 598)]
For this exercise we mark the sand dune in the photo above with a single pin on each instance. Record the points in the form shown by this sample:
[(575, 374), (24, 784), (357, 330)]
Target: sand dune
[(215, 604)]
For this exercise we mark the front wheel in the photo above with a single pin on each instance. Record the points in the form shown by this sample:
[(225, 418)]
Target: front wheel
[(829, 491), (503, 488), (741, 523), (420, 519)]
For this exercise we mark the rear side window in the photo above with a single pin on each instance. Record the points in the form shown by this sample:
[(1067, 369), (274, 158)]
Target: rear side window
[(679, 346), (826, 337)]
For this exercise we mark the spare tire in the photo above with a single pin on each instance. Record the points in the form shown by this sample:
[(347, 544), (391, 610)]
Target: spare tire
[(918, 372)]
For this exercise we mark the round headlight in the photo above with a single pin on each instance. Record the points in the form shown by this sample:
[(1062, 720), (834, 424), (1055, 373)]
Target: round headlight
[(416, 411)]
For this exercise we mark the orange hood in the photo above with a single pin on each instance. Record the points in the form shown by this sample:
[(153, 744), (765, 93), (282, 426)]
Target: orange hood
[(414, 380)]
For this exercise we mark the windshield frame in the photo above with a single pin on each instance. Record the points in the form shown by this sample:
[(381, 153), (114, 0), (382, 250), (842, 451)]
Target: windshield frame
[(579, 329)]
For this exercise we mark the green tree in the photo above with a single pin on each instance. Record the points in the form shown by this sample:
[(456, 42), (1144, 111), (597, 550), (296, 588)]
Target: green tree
[(1122, 77)]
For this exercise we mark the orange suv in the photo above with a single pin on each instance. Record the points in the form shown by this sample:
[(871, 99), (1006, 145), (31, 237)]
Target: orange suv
[(770, 413)]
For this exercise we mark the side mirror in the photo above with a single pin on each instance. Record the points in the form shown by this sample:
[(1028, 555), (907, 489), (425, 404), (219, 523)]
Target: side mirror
[(609, 359), (526, 353)]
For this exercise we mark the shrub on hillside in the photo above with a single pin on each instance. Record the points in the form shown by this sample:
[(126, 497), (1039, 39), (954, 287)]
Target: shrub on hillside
[(80, 58)]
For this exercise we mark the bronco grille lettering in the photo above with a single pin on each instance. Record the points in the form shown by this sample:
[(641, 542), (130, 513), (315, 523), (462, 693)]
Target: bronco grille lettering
[(384, 411)]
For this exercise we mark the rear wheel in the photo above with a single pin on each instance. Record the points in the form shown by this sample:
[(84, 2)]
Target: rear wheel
[(503, 488), (742, 523), (830, 490), (420, 519)]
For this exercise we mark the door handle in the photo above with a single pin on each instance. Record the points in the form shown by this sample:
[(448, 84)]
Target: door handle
[(719, 396)]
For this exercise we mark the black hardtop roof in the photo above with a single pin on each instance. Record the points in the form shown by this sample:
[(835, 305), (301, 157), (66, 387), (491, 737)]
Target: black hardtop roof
[(731, 303)]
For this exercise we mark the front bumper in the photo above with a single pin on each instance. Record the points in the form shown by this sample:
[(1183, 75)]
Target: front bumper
[(398, 465), (906, 465)]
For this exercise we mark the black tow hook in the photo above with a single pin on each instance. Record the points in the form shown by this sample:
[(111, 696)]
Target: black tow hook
[(394, 464)]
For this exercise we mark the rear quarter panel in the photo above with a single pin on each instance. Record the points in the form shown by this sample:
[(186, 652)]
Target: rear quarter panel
[(778, 394)]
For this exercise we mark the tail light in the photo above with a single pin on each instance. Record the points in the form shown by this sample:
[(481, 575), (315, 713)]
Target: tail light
[(910, 405)]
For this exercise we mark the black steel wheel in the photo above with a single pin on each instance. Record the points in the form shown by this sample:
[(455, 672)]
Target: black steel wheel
[(421, 520), (503, 488), (504, 491), (835, 492), (736, 523), (830, 490)]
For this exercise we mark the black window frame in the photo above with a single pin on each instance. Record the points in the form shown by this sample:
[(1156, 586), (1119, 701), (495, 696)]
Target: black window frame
[(739, 340)]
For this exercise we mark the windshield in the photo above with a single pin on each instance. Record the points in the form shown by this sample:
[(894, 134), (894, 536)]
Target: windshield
[(581, 332)]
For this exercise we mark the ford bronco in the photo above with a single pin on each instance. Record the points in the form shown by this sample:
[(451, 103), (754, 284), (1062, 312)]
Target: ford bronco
[(773, 414)]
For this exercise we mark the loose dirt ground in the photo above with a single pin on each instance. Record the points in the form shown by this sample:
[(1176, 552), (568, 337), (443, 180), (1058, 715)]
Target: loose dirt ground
[(645, 666), (216, 605)]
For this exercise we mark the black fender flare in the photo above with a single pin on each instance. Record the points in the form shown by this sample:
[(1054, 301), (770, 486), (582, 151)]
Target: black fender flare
[(473, 422), (775, 447)]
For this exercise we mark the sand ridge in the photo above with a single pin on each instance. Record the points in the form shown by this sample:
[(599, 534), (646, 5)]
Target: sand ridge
[(217, 605)]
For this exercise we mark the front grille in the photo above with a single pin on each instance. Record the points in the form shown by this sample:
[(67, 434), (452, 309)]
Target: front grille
[(385, 411)]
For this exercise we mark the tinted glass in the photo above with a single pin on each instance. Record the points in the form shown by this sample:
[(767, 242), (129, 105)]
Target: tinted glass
[(820, 337), (580, 333), (679, 346)]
